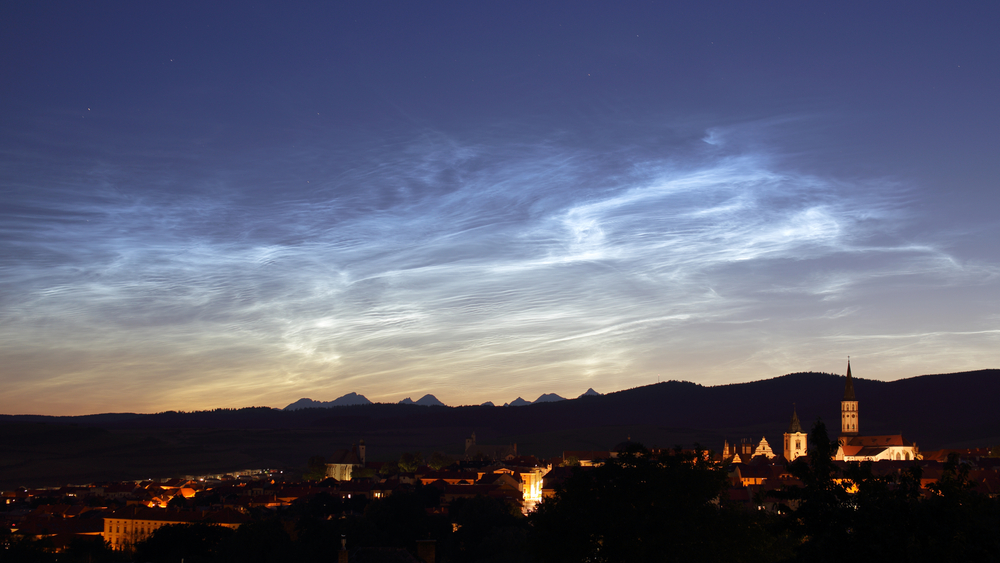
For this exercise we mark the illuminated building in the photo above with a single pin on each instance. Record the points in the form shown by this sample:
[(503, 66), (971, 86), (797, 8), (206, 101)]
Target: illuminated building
[(343, 462), (855, 447), (796, 441), (124, 528)]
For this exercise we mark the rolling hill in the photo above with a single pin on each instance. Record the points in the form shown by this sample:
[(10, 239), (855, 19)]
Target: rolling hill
[(935, 411)]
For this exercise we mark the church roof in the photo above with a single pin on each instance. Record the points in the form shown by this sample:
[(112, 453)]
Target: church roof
[(849, 388), (877, 441), (344, 457), (795, 426)]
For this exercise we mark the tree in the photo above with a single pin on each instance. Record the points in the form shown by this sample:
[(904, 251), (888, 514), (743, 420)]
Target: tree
[(438, 461), (409, 462), (643, 506), (401, 518), (819, 516), (315, 469), (489, 529), (958, 522), (16, 548), (194, 543), (259, 541), (362, 473), (883, 516), (389, 469)]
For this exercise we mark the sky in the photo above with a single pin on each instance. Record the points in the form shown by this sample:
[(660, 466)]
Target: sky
[(219, 204)]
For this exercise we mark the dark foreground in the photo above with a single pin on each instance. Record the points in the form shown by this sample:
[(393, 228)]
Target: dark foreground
[(641, 506)]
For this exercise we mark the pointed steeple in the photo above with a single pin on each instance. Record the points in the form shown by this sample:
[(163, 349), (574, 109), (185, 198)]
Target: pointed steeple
[(849, 388), (795, 426)]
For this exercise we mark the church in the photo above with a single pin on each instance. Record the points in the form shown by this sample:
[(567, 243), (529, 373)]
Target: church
[(856, 447), (853, 446)]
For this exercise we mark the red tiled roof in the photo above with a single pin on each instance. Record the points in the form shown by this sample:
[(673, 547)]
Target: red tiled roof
[(876, 441)]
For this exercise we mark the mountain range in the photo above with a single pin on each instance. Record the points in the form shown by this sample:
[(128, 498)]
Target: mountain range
[(427, 401), (347, 400)]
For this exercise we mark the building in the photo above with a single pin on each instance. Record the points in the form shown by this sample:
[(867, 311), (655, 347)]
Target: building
[(849, 416), (474, 451), (745, 450), (763, 449), (796, 441), (855, 447), (343, 462), (124, 528)]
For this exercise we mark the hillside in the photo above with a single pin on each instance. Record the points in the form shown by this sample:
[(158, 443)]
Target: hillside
[(935, 411)]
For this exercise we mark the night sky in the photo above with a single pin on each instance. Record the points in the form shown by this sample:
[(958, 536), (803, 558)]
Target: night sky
[(234, 204)]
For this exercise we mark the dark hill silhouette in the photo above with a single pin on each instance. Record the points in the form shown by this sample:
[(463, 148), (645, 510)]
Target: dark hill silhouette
[(935, 411)]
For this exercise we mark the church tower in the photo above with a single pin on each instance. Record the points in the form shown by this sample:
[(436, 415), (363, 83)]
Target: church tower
[(849, 407), (796, 441)]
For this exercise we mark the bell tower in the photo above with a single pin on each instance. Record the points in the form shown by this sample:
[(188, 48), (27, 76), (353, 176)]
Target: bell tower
[(796, 441), (849, 407)]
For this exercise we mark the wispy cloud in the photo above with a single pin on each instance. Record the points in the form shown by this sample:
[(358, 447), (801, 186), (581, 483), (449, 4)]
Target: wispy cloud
[(469, 269)]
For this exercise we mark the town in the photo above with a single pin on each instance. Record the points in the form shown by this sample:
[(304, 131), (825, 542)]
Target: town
[(122, 517)]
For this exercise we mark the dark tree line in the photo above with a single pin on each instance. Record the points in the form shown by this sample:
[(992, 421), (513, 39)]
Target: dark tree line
[(646, 507)]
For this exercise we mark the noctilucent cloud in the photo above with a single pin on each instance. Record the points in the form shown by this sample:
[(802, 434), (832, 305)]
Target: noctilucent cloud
[(223, 205)]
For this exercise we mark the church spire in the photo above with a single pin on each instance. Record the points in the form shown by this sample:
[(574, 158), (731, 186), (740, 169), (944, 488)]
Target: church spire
[(796, 441), (795, 426), (849, 388), (849, 422)]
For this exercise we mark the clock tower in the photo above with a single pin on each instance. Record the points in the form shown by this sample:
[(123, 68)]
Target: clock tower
[(796, 441), (849, 407)]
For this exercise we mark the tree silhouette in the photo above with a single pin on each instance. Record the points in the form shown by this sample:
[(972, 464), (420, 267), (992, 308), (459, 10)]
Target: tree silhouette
[(643, 506)]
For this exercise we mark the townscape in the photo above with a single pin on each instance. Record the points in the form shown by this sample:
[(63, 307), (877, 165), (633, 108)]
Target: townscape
[(279, 280), (429, 508)]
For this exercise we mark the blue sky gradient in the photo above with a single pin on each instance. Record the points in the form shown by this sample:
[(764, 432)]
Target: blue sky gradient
[(227, 206)]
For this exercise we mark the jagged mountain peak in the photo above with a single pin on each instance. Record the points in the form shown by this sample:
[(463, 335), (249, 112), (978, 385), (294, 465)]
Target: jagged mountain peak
[(346, 400), (427, 400), (548, 398)]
